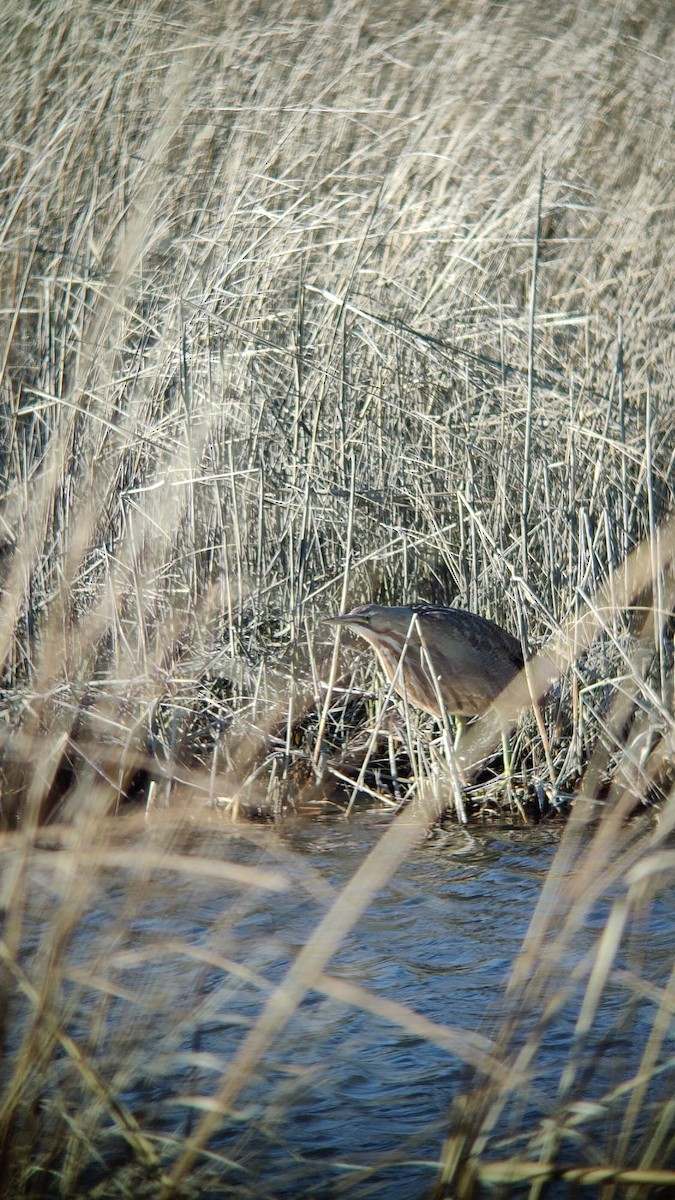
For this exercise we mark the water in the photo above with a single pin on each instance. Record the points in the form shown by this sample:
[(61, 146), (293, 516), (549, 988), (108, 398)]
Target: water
[(168, 972)]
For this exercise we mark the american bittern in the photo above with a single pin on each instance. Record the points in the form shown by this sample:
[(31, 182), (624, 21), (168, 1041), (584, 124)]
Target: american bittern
[(433, 654)]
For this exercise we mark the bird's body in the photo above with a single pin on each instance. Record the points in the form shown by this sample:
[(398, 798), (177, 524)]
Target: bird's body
[(430, 651)]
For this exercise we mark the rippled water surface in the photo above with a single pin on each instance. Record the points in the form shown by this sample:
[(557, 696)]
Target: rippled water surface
[(346, 1102)]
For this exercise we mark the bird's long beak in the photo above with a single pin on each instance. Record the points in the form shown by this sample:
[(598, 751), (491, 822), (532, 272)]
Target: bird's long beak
[(336, 620)]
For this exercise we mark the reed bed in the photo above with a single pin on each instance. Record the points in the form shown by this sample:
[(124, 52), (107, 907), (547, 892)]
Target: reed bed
[(304, 307)]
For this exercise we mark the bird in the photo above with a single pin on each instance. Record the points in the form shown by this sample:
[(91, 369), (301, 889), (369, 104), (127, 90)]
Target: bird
[(440, 658)]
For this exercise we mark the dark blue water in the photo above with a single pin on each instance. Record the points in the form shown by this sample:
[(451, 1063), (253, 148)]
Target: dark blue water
[(345, 1102)]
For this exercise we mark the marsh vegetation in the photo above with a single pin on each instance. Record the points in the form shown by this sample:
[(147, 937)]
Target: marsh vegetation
[(304, 306)]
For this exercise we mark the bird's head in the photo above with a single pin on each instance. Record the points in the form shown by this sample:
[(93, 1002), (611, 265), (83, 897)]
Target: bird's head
[(375, 621)]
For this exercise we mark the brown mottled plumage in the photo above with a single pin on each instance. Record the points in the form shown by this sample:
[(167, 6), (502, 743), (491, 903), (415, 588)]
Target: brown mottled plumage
[(472, 658)]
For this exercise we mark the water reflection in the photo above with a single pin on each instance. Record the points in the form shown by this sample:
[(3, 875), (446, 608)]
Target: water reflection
[(167, 973)]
